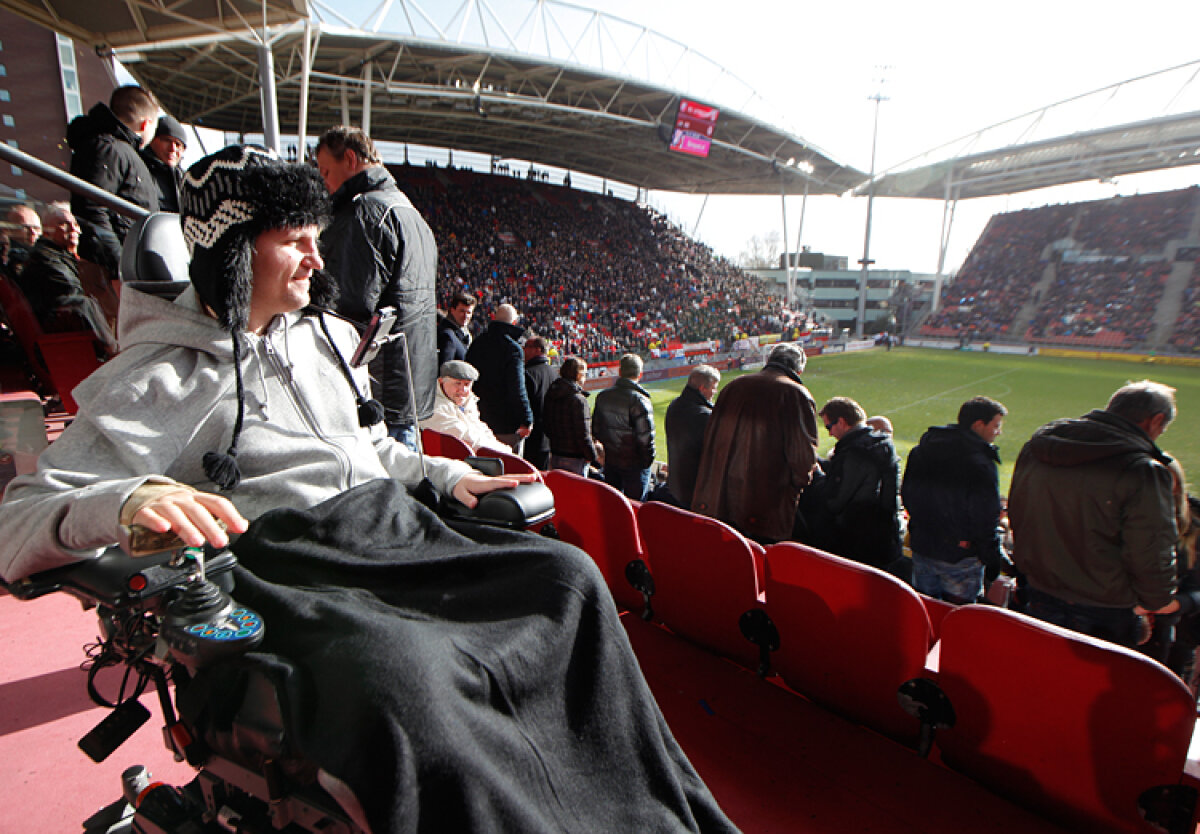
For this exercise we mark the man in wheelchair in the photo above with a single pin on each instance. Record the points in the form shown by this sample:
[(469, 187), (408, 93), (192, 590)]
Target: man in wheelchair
[(454, 679)]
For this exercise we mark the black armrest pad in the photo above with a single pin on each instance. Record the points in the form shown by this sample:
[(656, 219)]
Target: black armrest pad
[(517, 508)]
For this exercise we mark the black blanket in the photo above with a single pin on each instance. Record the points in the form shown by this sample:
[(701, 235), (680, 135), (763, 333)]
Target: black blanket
[(462, 684)]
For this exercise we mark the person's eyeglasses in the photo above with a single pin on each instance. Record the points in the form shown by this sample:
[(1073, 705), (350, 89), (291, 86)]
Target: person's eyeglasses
[(829, 427)]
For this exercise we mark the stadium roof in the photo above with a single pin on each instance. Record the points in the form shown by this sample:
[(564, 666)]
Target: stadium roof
[(562, 86), (1017, 159), (557, 84)]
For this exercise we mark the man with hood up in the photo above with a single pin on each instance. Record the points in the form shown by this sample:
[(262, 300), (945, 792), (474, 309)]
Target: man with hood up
[(951, 490), (1093, 516), (861, 489), (452, 680), (104, 151)]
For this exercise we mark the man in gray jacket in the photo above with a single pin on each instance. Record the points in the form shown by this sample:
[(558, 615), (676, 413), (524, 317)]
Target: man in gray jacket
[(1093, 516), (382, 254)]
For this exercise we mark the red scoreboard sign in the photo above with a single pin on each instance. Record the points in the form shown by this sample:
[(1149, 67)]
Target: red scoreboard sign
[(694, 125)]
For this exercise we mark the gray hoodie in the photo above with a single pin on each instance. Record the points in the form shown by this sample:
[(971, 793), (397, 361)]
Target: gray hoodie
[(169, 397)]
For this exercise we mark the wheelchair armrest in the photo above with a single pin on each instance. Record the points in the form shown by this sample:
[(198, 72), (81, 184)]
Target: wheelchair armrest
[(517, 508), (116, 578)]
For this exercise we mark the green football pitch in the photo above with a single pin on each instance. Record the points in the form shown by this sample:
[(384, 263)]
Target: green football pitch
[(917, 388)]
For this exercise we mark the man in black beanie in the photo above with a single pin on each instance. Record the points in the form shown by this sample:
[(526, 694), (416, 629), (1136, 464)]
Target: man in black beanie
[(452, 682), (162, 156)]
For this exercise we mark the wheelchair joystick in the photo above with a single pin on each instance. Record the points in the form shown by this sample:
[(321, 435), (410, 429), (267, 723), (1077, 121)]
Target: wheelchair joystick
[(204, 625)]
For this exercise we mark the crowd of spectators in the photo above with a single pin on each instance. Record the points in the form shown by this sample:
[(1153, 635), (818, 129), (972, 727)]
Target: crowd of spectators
[(1090, 299), (1108, 271), (596, 276), (1000, 273), (1186, 337)]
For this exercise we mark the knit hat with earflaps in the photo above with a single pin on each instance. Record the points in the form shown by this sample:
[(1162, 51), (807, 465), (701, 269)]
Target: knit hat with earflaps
[(226, 201)]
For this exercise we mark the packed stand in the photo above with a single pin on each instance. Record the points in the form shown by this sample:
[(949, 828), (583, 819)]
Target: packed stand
[(1000, 273), (597, 276)]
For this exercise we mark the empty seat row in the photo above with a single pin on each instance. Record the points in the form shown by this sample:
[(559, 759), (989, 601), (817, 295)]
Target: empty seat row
[(1085, 732)]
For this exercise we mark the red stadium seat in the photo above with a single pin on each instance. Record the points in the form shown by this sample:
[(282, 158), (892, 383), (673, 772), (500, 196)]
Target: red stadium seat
[(59, 360), (443, 445), (849, 635), (600, 521), (513, 465), (704, 578), (1071, 726)]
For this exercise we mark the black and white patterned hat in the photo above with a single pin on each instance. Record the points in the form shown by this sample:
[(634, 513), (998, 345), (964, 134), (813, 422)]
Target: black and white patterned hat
[(226, 201)]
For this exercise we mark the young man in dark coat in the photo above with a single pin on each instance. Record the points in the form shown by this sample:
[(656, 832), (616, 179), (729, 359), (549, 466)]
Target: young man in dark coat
[(539, 376), (686, 420), (951, 491), (104, 151), (382, 254), (453, 338), (624, 424), (503, 400), (861, 490)]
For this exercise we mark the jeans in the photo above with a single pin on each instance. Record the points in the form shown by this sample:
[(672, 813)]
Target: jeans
[(406, 433), (514, 442), (632, 482), (959, 583), (576, 465), (1116, 625)]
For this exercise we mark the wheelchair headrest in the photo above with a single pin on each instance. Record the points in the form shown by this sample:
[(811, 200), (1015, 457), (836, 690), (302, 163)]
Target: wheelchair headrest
[(155, 257)]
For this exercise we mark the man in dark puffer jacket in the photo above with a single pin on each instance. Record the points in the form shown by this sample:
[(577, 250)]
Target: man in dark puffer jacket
[(624, 423), (104, 151)]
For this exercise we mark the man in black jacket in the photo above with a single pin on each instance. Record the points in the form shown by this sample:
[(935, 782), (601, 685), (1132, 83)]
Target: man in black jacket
[(50, 280), (861, 490), (382, 254), (952, 494), (503, 400), (453, 338), (624, 423), (686, 420), (162, 156), (539, 376), (104, 151)]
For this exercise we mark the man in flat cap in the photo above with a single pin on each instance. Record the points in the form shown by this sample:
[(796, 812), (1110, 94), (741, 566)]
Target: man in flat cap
[(456, 408)]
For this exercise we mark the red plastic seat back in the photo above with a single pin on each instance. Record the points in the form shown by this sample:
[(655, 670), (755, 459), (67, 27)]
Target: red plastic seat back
[(443, 445), (600, 521), (849, 635), (704, 578), (59, 360), (513, 465), (1073, 726)]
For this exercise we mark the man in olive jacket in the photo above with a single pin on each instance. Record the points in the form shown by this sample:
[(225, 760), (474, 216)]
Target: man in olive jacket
[(382, 254), (760, 449), (1093, 516)]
